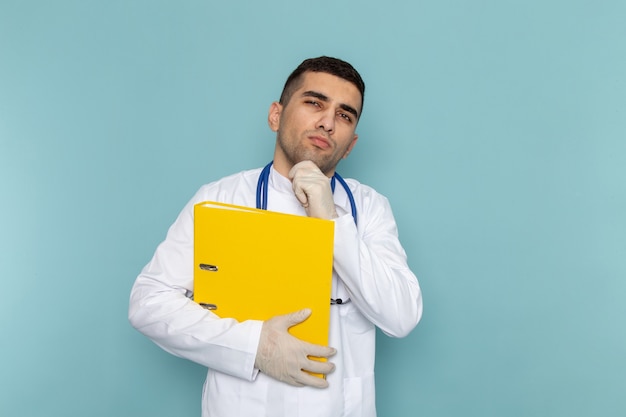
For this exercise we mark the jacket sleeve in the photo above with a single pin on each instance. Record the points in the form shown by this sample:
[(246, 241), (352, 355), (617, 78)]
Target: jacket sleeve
[(161, 309), (372, 265)]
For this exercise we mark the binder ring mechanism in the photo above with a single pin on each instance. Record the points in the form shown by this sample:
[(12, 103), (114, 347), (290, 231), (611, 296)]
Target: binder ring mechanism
[(210, 268)]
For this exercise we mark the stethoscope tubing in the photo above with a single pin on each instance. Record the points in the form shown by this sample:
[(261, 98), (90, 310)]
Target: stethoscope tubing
[(263, 185)]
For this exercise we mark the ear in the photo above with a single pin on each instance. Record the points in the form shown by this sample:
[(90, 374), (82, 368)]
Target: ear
[(273, 117), (354, 139)]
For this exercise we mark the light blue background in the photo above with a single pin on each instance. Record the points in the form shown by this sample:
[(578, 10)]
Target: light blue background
[(496, 128)]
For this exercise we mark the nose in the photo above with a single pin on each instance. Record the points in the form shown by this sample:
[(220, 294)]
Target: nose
[(327, 122)]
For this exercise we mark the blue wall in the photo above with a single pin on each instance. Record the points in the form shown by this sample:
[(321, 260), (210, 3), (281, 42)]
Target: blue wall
[(496, 128)]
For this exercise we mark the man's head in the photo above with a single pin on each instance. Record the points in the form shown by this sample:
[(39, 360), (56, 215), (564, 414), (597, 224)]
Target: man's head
[(333, 66), (317, 115)]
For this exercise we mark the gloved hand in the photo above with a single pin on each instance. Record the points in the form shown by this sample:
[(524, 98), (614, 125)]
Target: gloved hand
[(312, 189), (285, 357)]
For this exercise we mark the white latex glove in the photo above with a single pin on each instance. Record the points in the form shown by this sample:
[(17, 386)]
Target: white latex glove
[(312, 189), (285, 357)]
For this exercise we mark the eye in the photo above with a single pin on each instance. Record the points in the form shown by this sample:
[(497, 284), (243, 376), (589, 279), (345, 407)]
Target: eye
[(345, 116), (313, 103)]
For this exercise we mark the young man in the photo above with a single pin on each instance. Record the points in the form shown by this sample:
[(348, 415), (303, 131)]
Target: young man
[(257, 368)]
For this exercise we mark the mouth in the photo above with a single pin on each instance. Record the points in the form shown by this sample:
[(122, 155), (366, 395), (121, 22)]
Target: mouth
[(319, 141)]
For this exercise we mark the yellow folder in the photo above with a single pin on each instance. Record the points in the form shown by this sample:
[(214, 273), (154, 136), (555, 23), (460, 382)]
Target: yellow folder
[(255, 264)]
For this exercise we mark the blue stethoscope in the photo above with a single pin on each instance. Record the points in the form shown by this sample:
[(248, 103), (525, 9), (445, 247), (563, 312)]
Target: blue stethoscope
[(262, 186)]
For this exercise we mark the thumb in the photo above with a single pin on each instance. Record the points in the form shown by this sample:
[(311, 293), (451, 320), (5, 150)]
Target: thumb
[(297, 317)]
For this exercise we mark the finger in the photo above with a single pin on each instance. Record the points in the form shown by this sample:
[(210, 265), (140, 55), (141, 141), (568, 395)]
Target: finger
[(302, 165), (319, 351), (293, 171), (296, 170), (299, 190), (305, 378), (301, 195), (318, 367)]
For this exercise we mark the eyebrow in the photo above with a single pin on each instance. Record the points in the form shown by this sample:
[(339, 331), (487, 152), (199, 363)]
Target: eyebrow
[(324, 98)]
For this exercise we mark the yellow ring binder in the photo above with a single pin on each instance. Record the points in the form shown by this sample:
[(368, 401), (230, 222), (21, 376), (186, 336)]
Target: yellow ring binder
[(255, 264)]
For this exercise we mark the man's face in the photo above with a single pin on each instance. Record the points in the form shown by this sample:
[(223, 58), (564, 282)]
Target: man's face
[(317, 123)]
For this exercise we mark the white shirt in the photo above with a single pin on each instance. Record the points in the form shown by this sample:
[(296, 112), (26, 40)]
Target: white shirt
[(369, 267)]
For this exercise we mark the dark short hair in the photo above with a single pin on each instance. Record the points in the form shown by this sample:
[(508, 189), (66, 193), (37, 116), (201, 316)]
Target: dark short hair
[(329, 65)]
